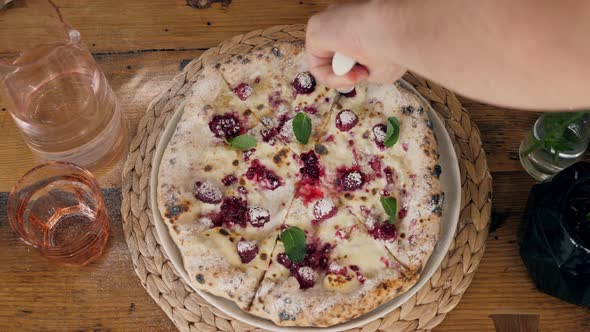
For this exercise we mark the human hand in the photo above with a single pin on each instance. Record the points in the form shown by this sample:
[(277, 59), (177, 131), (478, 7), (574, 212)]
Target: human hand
[(352, 29), (498, 52)]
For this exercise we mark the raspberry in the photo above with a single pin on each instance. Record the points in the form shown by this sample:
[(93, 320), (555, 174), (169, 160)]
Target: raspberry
[(243, 91), (247, 250), (350, 180), (304, 83), (207, 192), (324, 209), (258, 216), (346, 120), (225, 126)]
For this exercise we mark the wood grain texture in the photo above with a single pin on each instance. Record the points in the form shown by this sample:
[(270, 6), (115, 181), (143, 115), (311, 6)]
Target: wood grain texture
[(140, 46), (103, 296), (516, 323), (122, 26)]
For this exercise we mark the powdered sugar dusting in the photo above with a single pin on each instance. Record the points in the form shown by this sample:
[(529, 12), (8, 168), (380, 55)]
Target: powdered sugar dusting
[(207, 192), (352, 180), (266, 286), (171, 197), (370, 222), (282, 108), (268, 121), (304, 83), (379, 133), (307, 273), (324, 209), (225, 126), (244, 246), (206, 222), (286, 132), (335, 267), (355, 177), (247, 154), (247, 250), (304, 80), (243, 91), (206, 90), (347, 117), (258, 216), (392, 98), (346, 120)]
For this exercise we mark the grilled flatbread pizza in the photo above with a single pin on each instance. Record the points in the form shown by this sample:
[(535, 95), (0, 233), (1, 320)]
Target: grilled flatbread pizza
[(301, 207)]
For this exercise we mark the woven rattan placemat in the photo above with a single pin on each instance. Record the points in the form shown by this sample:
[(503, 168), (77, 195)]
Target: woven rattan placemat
[(423, 311)]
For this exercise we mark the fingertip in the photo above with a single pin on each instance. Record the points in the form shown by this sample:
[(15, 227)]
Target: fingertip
[(359, 73), (321, 72), (340, 82), (316, 61)]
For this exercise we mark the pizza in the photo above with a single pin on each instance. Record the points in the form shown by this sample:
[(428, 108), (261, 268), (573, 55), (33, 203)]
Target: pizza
[(301, 205)]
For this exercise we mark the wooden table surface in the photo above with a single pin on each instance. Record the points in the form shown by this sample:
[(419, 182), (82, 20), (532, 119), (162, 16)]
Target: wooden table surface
[(141, 45)]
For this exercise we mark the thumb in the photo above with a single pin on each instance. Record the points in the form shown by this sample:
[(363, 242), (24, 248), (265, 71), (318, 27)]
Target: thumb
[(331, 31)]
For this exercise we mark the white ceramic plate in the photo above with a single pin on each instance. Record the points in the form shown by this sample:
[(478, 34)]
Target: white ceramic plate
[(450, 184)]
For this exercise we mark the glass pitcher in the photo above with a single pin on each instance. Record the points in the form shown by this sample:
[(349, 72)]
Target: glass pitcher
[(55, 92)]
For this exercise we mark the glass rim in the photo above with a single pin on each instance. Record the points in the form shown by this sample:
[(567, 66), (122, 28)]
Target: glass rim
[(12, 204)]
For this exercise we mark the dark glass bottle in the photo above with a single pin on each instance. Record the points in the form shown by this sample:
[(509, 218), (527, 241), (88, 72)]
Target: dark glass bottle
[(555, 235)]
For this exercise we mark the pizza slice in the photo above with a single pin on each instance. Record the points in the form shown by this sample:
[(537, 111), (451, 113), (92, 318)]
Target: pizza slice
[(341, 274), (357, 164), (274, 82), (310, 97), (256, 78), (222, 197)]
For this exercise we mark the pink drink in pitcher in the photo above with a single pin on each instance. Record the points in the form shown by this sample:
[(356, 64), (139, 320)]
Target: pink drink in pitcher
[(60, 99)]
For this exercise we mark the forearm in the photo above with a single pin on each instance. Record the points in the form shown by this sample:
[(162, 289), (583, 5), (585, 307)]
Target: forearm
[(526, 54)]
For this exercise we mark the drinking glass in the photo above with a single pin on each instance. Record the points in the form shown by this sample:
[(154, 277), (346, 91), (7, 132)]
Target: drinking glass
[(556, 141), (56, 94), (58, 208)]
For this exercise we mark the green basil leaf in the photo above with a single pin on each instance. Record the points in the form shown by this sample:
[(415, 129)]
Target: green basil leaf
[(242, 142), (561, 146), (390, 207), (302, 127), (392, 133), (294, 241)]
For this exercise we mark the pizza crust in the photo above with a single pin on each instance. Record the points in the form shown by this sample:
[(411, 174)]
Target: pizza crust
[(286, 305)]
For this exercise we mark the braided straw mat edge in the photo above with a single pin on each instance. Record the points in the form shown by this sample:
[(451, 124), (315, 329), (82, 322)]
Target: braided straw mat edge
[(423, 311)]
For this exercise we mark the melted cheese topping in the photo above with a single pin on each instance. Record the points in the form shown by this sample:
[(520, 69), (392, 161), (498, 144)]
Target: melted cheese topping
[(212, 238), (361, 251)]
